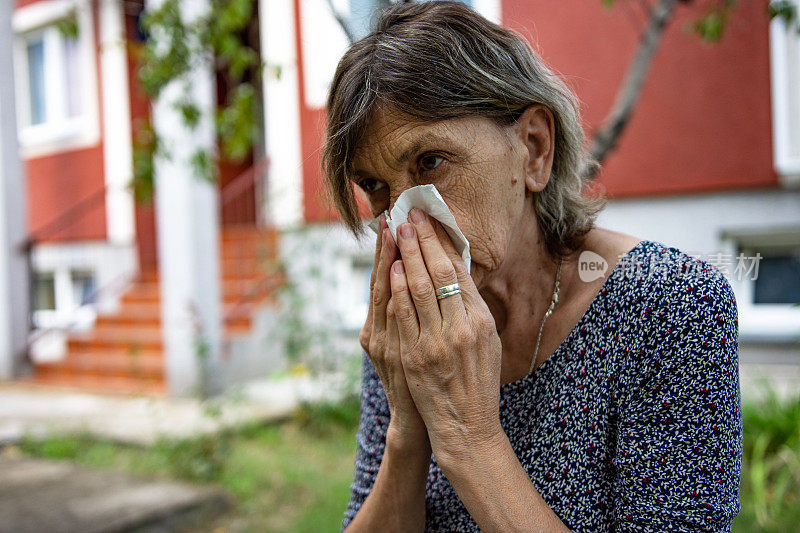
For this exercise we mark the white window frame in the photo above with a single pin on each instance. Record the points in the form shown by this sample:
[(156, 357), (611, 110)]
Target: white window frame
[(785, 82), (67, 313), (769, 323), (73, 132)]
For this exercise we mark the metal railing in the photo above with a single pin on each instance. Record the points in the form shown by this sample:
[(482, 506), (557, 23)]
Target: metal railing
[(240, 203), (241, 200), (71, 314)]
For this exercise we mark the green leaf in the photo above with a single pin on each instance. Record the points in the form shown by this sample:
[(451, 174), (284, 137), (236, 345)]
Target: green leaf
[(68, 27), (203, 165), (785, 9), (190, 113), (173, 49)]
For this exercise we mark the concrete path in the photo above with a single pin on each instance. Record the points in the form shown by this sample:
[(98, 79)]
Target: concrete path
[(39, 496), (37, 412)]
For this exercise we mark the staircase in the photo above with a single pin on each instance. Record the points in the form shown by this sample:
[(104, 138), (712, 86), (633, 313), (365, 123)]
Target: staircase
[(123, 353)]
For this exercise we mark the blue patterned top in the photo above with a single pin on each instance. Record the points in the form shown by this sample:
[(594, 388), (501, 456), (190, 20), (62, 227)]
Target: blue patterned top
[(633, 424)]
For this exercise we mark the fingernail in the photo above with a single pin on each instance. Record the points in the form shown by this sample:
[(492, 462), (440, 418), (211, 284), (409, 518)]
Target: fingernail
[(398, 267), (406, 231), (417, 216)]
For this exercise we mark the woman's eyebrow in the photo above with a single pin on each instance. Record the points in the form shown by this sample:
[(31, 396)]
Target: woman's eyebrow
[(425, 139)]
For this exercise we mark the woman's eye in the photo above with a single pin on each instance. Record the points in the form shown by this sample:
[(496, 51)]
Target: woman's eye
[(429, 162), (370, 185)]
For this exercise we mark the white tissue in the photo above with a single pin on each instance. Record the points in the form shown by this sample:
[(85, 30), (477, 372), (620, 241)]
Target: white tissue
[(427, 198)]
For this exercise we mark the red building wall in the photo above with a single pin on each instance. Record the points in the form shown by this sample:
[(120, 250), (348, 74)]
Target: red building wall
[(704, 119), (703, 122), (59, 181), (56, 182)]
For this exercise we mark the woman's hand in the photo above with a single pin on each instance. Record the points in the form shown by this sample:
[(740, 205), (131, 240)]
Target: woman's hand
[(449, 348), (380, 339)]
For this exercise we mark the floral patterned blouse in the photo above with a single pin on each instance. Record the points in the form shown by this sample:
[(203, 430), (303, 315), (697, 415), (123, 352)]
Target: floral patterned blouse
[(633, 424)]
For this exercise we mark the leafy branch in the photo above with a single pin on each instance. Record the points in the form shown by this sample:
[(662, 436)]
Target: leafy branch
[(710, 27), (219, 40)]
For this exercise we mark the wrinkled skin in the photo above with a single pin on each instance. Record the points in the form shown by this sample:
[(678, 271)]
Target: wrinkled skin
[(442, 363)]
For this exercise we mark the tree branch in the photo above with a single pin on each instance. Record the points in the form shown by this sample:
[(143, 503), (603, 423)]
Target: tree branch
[(606, 138)]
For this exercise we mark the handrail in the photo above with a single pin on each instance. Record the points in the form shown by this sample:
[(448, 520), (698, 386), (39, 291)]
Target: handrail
[(241, 183), (67, 217), (119, 281)]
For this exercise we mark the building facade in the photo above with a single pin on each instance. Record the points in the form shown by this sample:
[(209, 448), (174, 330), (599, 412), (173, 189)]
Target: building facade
[(709, 163)]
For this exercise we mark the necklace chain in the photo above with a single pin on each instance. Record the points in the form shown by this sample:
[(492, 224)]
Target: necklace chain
[(547, 313)]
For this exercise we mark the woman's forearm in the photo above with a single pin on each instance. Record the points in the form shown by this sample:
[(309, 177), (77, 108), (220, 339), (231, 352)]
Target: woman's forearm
[(495, 488), (397, 500)]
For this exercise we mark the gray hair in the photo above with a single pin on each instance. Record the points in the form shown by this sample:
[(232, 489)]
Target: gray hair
[(441, 60)]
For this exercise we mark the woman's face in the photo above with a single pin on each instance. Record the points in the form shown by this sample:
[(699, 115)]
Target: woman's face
[(481, 170)]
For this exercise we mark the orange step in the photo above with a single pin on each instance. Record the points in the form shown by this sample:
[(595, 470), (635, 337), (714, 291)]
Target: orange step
[(123, 353)]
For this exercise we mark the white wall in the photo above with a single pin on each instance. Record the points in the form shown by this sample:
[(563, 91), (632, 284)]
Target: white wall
[(117, 145), (695, 223), (706, 224), (281, 113), (14, 300)]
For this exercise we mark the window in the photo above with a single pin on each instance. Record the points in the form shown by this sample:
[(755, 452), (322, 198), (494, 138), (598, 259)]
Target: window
[(767, 287), (44, 291), (785, 66), (83, 287), (64, 297), (54, 89), (778, 280), (55, 76)]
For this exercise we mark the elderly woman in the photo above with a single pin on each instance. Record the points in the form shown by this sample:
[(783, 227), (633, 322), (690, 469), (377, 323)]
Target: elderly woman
[(534, 397)]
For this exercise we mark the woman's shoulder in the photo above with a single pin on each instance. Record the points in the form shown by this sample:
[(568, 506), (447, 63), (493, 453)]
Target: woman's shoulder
[(650, 271), (684, 315), (667, 277)]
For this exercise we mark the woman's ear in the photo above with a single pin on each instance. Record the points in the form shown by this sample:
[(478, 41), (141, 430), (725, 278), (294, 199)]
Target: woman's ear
[(536, 128)]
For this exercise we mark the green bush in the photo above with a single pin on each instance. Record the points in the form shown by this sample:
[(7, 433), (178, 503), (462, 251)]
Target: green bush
[(322, 418), (770, 490)]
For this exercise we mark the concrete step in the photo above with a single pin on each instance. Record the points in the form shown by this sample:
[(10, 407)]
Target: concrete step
[(148, 314), (104, 385), (233, 289), (58, 497), (104, 365)]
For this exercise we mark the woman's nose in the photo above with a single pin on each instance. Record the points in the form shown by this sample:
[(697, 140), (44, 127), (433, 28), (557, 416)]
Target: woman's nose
[(395, 192)]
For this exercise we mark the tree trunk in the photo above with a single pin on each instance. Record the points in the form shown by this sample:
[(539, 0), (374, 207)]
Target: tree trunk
[(605, 139)]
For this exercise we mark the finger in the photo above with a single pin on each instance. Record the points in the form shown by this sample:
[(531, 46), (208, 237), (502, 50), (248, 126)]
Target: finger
[(469, 292), (379, 242), (404, 310), (392, 333), (419, 281), (382, 291), (440, 266), (366, 331)]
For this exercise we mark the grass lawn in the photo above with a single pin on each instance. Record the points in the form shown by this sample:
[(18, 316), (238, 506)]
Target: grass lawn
[(295, 475), (288, 476)]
